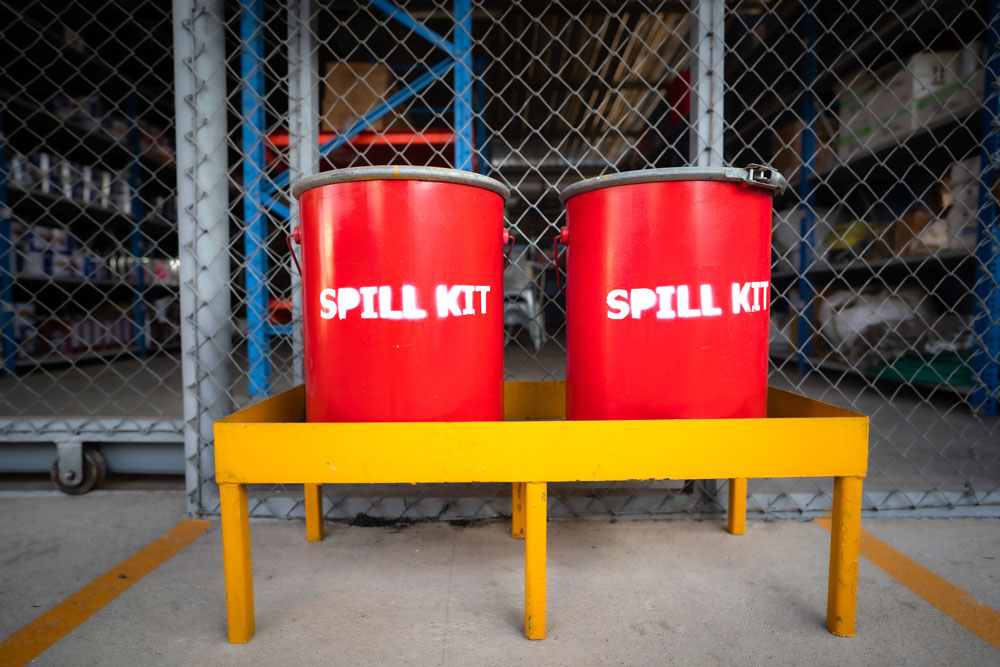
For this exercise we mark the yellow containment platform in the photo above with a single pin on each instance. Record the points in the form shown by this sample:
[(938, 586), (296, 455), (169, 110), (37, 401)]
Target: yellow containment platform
[(269, 443)]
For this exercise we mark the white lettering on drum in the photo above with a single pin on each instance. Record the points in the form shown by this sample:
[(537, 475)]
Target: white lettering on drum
[(676, 301)]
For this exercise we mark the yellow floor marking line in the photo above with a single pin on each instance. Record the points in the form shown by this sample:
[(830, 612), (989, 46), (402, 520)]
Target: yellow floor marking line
[(976, 616), (29, 642)]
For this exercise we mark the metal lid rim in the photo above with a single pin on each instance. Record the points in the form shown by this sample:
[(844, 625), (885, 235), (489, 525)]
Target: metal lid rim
[(399, 173), (668, 174)]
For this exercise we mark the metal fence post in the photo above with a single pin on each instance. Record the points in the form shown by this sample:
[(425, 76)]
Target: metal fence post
[(708, 42), (807, 192), (203, 233), (303, 139), (707, 82)]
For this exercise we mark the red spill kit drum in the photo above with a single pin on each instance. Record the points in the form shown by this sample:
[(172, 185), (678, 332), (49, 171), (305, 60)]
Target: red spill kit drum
[(402, 294), (667, 293)]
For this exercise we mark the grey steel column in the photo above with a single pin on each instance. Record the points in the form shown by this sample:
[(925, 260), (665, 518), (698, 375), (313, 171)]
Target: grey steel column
[(303, 137), (203, 236), (708, 45)]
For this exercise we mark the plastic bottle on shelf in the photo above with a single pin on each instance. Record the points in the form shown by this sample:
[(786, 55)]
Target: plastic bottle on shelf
[(121, 194), (102, 188), (40, 171)]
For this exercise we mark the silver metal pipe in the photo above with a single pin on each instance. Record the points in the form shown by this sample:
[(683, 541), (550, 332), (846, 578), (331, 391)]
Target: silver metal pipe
[(707, 81), (203, 236), (303, 141)]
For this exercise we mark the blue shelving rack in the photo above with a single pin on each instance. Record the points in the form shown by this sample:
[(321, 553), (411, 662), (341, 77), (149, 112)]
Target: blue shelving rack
[(260, 197), (985, 393), (8, 334), (986, 323)]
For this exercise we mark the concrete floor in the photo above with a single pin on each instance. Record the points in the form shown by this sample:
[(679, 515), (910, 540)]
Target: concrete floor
[(626, 593)]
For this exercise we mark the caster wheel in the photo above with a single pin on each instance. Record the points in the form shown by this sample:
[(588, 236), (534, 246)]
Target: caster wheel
[(94, 471)]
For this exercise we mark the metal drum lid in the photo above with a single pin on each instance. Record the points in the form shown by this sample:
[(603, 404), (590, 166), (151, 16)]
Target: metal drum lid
[(757, 175), (400, 173)]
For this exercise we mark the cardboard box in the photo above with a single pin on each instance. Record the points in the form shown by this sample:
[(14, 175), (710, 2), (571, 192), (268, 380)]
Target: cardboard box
[(786, 146), (932, 88), (962, 214), (62, 241), (352, 89), (39, 238), (926, 90), (906, 232), (863, 105), (62, 265)]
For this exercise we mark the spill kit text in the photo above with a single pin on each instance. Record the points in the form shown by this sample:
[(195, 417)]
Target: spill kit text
[(672, 301), (379, 302)]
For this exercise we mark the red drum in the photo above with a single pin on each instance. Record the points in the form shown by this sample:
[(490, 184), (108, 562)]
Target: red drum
[(402, 294), (667, 294)]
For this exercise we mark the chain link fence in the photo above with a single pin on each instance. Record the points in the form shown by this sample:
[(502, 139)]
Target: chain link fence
[(885, 295), (88, 244)]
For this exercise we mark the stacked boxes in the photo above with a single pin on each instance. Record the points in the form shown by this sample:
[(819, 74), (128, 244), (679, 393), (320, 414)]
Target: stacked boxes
[(860, 103), (786, 146), (930, 88), (961, 216)]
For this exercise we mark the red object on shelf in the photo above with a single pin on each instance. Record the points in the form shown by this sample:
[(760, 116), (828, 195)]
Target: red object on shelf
[(279, 311), (402, 316), (431, 148)]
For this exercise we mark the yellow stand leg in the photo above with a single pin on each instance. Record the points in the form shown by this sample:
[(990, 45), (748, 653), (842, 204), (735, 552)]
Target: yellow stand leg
[(517, 510), (314, 512), (535, 499), (845, 542), (236, 562), (737, 516)]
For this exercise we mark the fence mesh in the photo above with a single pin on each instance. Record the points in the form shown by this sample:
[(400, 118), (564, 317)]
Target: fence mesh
[(885, 295), (88, 245)]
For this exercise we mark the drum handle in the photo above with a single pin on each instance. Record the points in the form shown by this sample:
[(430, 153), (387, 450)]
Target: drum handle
[(296, 236), (563, 238), (508, 242)]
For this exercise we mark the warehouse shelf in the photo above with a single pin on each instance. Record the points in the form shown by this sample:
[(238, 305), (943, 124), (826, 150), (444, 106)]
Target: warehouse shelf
[(41, 127), (37, 127), (55, 358), (95, 282), (266, 180), (59, 207), (862, 266), (379, 147), (908, 27), (948, 140), (886, 180), (832, 365)]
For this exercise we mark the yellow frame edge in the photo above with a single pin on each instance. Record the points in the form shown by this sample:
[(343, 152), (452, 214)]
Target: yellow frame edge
[(269, 442)]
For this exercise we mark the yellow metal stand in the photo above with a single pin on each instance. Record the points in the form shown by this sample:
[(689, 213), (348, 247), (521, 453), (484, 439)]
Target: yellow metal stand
[(270, 443)]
